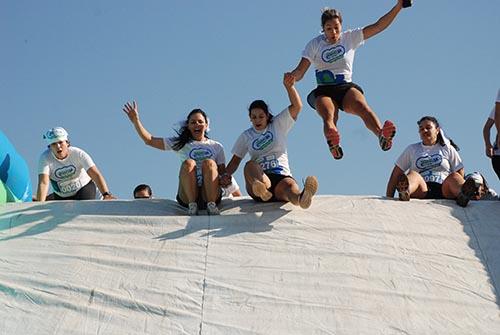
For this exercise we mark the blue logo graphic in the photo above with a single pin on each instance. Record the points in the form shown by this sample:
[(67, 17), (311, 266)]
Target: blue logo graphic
[(199, 154), (65, 172), (263, 141), (429, 162), (333, 54)]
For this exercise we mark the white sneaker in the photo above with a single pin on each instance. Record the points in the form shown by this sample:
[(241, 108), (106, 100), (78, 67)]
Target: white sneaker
[(212, 208), (192, 208)]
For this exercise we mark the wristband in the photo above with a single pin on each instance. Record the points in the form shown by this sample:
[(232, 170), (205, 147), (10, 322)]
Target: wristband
[(106, 193)]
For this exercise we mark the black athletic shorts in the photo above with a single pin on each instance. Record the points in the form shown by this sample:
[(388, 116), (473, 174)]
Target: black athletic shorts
[(275, 179), (335, 92), (434, 191), (87, 192), (495, 162)]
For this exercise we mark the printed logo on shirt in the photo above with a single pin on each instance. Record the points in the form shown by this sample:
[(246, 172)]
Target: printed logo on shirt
[(263, 141), (333, 54), (429, 162), (199, 154), (65, 172)]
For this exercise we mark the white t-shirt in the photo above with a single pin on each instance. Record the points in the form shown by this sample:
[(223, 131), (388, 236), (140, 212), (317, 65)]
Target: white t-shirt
[(267, 147), (496, 150), (333, 62), (199, 151), (434, 162), (67, 176)]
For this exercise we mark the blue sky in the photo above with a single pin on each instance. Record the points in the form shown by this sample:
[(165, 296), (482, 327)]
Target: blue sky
[(75, 63)]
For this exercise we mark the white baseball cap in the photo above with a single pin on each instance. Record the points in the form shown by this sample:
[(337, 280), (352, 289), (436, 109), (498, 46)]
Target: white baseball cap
[(55, 135)]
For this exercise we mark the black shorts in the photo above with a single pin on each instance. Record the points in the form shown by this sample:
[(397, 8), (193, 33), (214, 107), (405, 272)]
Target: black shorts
[(495, 162), (87, 192), (275, 179), (434, 191), (202, 204), (335, 92)]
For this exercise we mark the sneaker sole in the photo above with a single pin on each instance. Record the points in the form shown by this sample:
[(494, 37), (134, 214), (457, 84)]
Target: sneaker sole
[(386, 135), (467, 191), (259, 189), (403, 186), (333, 141), (310, 189)]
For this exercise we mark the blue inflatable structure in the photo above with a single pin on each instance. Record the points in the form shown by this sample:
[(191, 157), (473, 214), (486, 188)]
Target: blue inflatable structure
[(15, 180)]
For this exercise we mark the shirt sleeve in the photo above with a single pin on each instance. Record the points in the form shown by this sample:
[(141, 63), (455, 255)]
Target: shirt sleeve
[(498, 96), (43, 164), (284, 121), (310, 50), (355, 37), (404, 160), (454, 159), (220, 157), (240, 148), (168, 143), (86, 160)]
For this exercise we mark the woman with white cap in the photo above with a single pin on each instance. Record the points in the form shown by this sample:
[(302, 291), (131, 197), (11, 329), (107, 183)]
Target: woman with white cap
[(69, 170), (430, 169)]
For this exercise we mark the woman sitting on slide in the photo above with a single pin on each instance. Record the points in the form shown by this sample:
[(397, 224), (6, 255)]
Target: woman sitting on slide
[(431, 169)]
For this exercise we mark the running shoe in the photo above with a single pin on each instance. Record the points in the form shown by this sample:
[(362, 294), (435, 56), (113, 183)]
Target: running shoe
[(386, 135), (468, 190), (259, 189), (192, 208), (333, 140), (212, 208), (310, 189), (403, 186)]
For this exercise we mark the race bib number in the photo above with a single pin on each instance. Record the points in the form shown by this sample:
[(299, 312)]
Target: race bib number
[(268, 162), (69, 186), (432, 178)]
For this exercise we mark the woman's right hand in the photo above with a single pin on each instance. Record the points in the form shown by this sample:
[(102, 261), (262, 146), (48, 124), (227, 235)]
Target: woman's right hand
[(132, 111)]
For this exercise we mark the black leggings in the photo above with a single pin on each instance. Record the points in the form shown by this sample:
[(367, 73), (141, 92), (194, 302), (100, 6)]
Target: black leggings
[(495, 162), (87, 192)]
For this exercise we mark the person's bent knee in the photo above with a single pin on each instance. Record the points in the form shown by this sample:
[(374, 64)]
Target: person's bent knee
[(188, 165), (208, 164)]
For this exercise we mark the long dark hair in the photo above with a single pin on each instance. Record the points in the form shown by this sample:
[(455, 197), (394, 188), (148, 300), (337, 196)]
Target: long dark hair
[(440, 138), (262, 105), (184, 135)]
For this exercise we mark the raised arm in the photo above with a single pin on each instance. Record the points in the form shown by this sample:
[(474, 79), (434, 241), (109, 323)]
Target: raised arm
[(393, 179), (293, 95), (132, 111), (487, 137), (301, 69), (382, 23)]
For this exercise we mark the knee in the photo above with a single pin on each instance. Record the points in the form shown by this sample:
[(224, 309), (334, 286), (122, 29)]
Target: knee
[(189, 165), (250, 165), (208, 165)]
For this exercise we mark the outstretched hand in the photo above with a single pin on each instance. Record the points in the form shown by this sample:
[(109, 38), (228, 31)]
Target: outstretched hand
[(132, 111), (288, 79)]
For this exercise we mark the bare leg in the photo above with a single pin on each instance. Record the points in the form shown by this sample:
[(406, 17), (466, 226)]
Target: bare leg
[(452, 185), (329, 113), (411, 186), (188, 189), (210, 174), (257, 183), (355, 103), (287, 190)]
